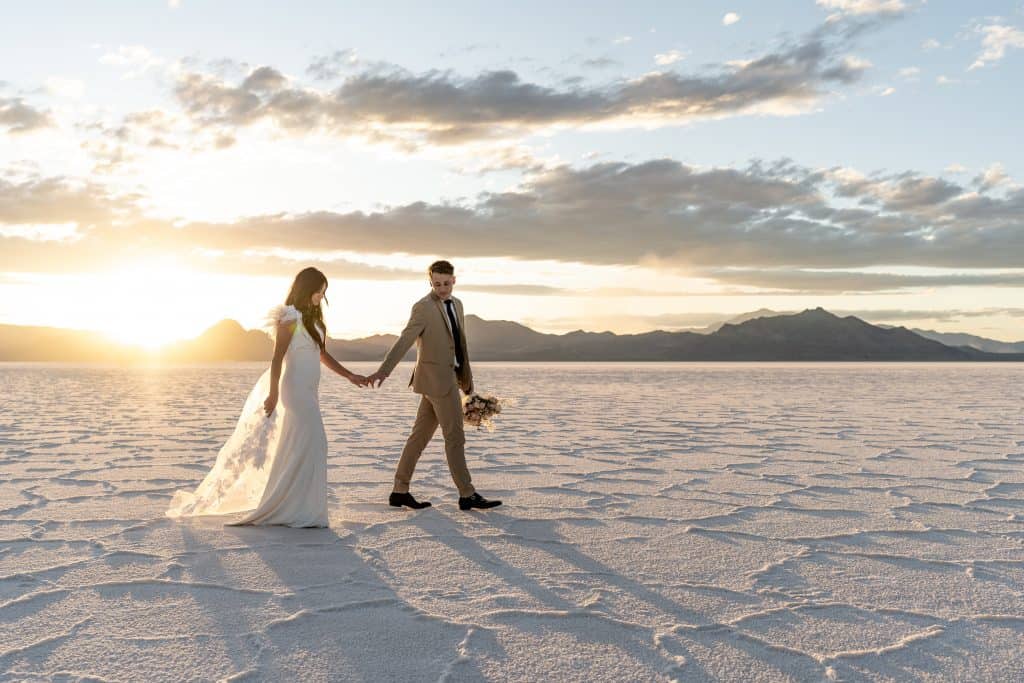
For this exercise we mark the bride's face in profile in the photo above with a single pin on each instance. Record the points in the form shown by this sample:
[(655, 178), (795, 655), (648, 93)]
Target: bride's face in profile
[(318, 296)]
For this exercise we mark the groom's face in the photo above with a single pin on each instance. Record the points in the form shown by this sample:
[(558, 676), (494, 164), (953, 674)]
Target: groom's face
[(442, 284)]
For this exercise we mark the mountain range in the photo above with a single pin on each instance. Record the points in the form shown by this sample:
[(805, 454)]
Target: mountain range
[(811, 335), (974, 341)]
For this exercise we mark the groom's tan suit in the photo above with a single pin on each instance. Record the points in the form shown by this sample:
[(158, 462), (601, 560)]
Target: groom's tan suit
[(436, 378)]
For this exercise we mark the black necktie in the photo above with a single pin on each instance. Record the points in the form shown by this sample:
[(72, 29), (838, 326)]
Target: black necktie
[(455, 330)]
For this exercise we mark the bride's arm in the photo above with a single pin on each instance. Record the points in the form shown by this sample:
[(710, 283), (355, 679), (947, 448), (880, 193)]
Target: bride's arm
[(328, 360), (283, 337)]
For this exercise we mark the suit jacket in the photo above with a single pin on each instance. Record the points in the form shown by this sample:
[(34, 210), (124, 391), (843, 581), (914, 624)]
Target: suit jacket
[(434, 373)]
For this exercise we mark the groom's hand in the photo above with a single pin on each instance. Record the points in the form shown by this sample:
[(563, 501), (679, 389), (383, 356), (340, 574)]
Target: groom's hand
[(376, 379)]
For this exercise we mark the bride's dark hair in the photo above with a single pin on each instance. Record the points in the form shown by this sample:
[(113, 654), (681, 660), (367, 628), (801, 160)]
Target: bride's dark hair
[(307, 282)]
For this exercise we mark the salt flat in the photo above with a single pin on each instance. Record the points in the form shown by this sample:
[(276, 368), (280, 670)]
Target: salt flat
[(745, 522)]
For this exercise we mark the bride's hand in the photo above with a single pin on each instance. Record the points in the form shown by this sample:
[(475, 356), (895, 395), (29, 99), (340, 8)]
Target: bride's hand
[(270, 404), (358, 380)]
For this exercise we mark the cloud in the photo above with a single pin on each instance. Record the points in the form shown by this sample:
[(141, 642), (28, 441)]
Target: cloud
[(848, 282), (264, 80), (668, 214), (992, 177), (862, 7), (334, 65), (43, 201), (390, 104), (769, 224), (137, 58), (65, 87), (901, 192), (600, 63), (112, 145), (856, 64), (284, 264), (670, 57), (58, 225), (517, 290), (996, 40), (942, 315), (17, 117), (730, 18), (50, 232), (498, 158), (910, 73), (931, 44)]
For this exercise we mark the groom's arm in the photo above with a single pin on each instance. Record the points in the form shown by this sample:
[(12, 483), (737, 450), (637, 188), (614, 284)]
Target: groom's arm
[(413, 329)]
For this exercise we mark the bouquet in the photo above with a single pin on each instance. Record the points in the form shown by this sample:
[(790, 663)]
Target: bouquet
[(479, 411)]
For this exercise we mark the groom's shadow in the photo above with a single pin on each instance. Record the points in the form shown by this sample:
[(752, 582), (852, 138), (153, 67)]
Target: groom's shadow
[(338, 608), (543, 536)]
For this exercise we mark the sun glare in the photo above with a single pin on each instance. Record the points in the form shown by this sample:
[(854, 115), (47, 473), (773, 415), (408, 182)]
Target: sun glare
[(153, 303)]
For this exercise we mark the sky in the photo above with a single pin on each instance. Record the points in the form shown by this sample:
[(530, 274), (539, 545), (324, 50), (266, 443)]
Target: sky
[(598, 166)]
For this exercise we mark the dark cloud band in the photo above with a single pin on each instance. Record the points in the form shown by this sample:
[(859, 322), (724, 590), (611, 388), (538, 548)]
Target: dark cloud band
[(768, 225), (444, 108)]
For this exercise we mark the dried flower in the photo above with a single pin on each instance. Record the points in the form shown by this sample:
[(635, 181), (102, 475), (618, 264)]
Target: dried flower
[(479, 410)]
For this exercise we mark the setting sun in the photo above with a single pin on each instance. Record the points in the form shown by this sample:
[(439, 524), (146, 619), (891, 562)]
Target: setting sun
[(152, 303), (149, 303)]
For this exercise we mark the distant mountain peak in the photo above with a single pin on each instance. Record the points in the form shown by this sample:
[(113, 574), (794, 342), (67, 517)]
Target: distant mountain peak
[(507, 323), (820, 312), (227, 325)]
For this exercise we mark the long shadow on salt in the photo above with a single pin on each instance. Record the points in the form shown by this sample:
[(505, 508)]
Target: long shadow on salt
[(606, 629), (339, 619)]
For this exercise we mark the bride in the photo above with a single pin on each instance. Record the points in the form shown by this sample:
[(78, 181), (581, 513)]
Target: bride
[(274, 466)]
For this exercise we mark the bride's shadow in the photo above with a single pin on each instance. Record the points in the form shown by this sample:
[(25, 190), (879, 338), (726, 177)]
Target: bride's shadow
[(337, 610)]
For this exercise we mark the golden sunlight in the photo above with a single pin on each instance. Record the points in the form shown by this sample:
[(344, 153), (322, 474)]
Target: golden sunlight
[(153, 303)]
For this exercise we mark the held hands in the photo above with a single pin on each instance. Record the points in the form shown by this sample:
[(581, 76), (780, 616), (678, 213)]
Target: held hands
[(362, 380), (358, 380)]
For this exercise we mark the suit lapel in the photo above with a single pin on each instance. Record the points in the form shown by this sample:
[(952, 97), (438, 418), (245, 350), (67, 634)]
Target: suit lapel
[(444, 318)]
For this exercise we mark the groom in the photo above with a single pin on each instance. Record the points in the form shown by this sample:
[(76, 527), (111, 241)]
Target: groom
[(437, 327)]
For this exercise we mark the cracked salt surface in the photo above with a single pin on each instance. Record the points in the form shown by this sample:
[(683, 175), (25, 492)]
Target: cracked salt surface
[(747, 522)]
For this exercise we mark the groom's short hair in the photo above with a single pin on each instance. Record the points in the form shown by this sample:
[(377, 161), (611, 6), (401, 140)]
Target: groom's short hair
[(441, 267)]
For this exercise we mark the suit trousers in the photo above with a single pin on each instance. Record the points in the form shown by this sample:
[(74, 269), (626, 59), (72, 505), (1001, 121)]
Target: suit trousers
[(445, 411)]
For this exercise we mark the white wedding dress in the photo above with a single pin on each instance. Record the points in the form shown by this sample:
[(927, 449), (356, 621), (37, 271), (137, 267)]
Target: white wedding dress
[(272, 469)]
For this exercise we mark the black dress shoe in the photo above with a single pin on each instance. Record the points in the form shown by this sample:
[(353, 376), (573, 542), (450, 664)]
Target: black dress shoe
[(477, 501), (399, 499)]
